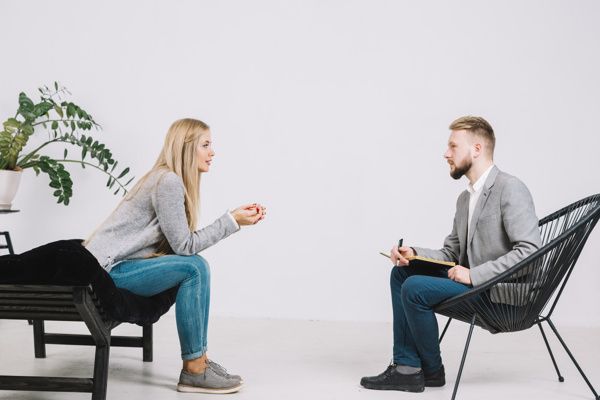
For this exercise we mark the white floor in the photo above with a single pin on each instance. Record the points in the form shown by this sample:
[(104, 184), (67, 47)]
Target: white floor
[(282, 359)]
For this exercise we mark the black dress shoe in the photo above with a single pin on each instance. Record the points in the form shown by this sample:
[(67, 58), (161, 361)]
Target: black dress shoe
[(391, 379), (436, 379)]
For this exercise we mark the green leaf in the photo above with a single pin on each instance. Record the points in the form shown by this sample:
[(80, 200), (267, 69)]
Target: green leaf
[(55, 85), (42, 108), (71, 110), (57, 192), (54, 125), (58, 110), (122, 174), (11, 125), (65, 154), (27, 129), (25, 103)]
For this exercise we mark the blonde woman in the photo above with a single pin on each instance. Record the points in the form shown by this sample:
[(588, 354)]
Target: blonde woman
[(149, 244)]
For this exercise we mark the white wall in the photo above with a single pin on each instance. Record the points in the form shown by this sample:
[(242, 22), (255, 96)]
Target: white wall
[(334, 114)]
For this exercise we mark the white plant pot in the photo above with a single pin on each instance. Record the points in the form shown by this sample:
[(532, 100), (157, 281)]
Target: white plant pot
[(9, 183)]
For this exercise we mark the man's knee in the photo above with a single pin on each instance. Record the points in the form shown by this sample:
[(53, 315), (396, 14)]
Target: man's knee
[(397, 276), (411, 289)]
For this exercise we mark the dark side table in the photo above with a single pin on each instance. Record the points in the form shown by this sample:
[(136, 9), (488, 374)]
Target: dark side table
[(6, 235)]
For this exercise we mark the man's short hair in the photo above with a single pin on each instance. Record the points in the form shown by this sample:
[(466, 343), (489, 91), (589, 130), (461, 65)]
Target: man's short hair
[(478, 127)]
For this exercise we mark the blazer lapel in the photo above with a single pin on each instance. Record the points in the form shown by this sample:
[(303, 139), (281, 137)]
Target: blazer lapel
[(489, 182)]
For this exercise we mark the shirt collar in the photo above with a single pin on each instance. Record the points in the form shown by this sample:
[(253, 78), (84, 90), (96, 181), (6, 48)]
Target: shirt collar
[(476, 187)]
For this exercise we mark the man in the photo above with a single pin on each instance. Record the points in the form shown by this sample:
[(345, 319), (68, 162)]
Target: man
[(495, 226)]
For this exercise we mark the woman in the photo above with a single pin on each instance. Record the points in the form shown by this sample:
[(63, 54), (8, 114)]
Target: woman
[(149, 244)]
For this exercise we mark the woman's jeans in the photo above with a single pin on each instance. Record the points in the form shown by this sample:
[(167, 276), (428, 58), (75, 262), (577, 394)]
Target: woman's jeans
[(414, 295), (147, 277)]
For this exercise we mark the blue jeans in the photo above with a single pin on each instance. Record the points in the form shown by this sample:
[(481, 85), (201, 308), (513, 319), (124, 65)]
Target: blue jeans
[(149, 276), (415, 326)]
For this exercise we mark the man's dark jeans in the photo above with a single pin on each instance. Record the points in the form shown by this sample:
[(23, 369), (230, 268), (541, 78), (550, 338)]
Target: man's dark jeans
[(415, 327)]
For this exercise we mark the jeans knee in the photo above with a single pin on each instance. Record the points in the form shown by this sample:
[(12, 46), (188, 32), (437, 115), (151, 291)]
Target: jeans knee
[(199, 268), (411, 290), (397, 276)]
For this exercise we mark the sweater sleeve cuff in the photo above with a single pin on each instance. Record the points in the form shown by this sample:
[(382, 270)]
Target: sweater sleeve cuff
[(233, 221)]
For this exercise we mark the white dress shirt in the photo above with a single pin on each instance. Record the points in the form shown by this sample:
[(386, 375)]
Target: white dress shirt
[(474, 193)]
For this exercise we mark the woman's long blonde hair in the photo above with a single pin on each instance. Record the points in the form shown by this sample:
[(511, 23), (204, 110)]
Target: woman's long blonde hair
[(178, 155)]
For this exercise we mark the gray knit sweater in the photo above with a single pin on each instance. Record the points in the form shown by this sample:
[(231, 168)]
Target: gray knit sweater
[(156, 211)]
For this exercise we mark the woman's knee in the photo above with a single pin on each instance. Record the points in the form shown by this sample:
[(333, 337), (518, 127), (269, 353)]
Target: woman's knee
[(198, 267)]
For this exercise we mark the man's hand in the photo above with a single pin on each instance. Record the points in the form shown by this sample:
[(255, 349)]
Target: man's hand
[(460, 274), (398, 256)]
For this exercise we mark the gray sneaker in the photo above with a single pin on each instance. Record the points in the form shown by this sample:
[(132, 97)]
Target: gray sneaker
[(207, 382), (218, 368)]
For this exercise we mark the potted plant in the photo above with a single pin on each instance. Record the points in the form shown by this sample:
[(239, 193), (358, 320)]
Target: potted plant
[(66, 123)]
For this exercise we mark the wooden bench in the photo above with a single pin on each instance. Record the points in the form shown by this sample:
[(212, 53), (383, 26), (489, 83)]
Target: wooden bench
[(66, 303)]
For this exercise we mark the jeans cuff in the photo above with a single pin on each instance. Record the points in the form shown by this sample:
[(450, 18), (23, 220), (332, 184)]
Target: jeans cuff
[(407, 361), (194, 355)]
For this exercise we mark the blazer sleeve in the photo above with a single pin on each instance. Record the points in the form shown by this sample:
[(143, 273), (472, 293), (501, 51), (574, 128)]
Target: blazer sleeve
[(521, 227), (451, 249), (168, 200)]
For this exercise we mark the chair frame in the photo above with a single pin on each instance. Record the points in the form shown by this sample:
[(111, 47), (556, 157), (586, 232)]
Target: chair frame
[(449, 306), (66, 303)]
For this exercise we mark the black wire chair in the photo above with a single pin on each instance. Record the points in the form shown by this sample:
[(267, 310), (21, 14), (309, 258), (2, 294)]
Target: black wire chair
[(516, 299)]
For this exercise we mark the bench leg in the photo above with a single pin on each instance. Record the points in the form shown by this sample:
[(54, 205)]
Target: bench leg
[(100, 373), (39, 344), (147, 342)]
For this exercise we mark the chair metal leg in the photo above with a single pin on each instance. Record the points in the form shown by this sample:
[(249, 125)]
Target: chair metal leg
[(39, 344), (560, 377), (464, 357), (572, 358), (445, 329)]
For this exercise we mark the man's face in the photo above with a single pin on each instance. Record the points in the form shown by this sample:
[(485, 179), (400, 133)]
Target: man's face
[(459, 153)]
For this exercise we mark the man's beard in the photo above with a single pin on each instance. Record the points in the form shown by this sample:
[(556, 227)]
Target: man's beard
[(458, 172)]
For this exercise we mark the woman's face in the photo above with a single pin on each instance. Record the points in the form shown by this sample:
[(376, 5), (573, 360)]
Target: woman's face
[(204, 152)]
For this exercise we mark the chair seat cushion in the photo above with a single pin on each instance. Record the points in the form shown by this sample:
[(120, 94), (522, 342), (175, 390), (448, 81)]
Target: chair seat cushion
[(67, 262)]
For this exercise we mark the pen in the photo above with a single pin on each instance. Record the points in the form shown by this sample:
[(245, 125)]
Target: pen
[(400, 243)]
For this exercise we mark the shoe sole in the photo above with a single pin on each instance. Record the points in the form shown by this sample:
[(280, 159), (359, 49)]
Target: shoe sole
[(199, 389), (412, 389), (435, 384)]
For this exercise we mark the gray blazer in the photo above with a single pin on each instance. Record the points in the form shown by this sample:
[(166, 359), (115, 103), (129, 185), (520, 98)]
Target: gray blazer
[(504, 229)]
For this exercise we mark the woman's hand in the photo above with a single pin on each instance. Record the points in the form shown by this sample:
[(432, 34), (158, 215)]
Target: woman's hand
[(399, 255), (249, 214)]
